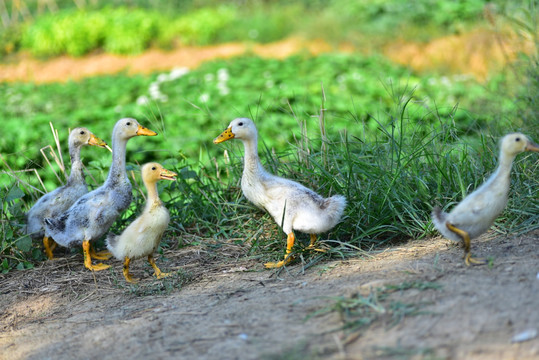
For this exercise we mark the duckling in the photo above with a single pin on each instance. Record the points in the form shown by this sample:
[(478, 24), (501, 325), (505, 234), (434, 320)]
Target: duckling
[(291, 204), (59, 200), (93, 214), (142, 236), (475, 214)]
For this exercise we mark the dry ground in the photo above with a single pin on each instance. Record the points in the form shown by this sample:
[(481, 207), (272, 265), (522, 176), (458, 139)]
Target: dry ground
[(221, 304)]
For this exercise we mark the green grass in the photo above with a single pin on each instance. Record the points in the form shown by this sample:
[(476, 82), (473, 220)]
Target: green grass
[(391, 181), (359, 311)]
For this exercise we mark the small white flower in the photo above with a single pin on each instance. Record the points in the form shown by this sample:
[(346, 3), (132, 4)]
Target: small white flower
[(445, 81), (118, 109), (143, 100), (270, 84), (178, 73), (204, 98), (222, 74), (223, 89), (209, 77), (162, 78)]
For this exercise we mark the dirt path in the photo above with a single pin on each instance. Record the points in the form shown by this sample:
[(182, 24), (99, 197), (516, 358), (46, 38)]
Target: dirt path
[(423, 303), (477, 53)]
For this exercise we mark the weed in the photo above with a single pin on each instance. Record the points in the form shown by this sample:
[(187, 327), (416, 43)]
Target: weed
[(359, 311)]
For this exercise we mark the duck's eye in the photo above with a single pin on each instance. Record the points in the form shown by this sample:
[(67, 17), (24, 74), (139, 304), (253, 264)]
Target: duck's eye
[(153, 168), (82, 132), (240, 124), (128, 123), (517, 139)]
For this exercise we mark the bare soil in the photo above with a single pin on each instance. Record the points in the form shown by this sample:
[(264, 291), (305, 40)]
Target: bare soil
[(477, 54), (221, 304)]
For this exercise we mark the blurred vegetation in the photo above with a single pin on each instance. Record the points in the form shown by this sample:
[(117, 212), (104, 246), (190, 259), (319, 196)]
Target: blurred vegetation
[(129, 27), (276, 93)]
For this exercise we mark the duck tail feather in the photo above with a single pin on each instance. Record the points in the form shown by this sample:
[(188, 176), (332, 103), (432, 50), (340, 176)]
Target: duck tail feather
[(439, 219), (111, 241), (334, 206)]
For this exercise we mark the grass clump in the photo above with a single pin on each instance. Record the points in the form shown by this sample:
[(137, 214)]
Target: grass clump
[(358, 311)]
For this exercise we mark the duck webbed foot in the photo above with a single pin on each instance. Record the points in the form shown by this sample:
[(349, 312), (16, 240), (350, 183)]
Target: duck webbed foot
[(128, 277), (100, 255), (287, 258), (88, 258), (468, 259), (312, 245), (49, 246), (157, 272)]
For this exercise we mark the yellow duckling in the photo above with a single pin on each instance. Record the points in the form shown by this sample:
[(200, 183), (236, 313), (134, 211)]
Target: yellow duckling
[(91, 216), (475, 214), (141, 238), (56, 202), (292, 205)]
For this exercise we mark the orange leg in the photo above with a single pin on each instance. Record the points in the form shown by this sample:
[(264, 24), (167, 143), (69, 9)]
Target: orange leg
[(101, 255), (468, 259), (157, 272), (312, 243), (128, 277), (288, 257), (88, 258), (49, 245)]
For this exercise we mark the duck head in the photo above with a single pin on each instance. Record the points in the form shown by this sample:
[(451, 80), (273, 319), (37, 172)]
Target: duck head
[(241, 128), (153, 172), (127, 128), (514, 144), (81, 136)]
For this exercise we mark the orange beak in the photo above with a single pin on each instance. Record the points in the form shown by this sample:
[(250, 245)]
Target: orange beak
[(95, 141), (145, 131), (531, 146), (225, 135), (167, 175)]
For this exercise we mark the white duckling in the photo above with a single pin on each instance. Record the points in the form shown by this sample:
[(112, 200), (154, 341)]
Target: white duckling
[(59, 200), (475, 214), (141, 238), (93, 214), (292, 205)]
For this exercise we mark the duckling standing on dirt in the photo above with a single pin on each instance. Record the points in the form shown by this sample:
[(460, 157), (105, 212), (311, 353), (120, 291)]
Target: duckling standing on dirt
[(141, 238), (59, 200), (291, 204), (93, 214), (475, 214)]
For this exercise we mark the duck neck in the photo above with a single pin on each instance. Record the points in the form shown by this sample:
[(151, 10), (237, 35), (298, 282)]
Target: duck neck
[(76, 175), (117, 171), (153, 196), (252, 166), (504, 168)]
